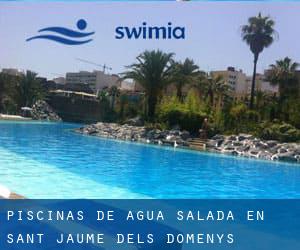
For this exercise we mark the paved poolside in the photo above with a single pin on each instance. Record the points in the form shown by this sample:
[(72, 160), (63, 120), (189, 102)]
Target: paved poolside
[(15, 196), (14, 117)]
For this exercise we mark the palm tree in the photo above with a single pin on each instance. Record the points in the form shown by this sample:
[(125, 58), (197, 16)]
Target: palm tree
[(123, 104), (216, 88), (153, 72), (2, 89), (283, 74), (258, 34), (184, 73), (113, 92), (200, 84), (7, 91), (29, 89), (261, 99)]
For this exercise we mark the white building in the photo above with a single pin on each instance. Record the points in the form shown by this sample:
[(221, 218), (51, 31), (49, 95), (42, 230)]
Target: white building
[(59, 80), (130, 86), (12, 71), (97, 80), (261, 84), (236, 80), (240, 83)]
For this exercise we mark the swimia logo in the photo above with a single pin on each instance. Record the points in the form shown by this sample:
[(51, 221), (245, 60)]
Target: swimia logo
[(65, 35), (150, 32)]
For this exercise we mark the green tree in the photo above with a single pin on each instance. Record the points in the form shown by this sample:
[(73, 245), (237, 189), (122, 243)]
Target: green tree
[(8, 93), (153, 71), (258, 34), (200, 85), (114, 92), (123, 103), (28, 89), (283, 75), (184, 73), (216, 89), (3, 81), (238, 116), (263, 102), (103, 96)]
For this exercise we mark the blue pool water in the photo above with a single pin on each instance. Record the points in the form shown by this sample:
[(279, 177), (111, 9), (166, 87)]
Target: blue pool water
[(48, 160)]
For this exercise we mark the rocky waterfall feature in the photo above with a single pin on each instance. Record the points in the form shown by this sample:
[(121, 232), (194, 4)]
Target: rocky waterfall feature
[(41, 110)]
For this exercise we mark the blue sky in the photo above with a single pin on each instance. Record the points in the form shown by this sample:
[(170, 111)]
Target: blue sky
[(212, 34)]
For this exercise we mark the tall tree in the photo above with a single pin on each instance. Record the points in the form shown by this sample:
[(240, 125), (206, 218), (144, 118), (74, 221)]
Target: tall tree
[(216, 89), (113, 92), (28, 89), (2, 89), (7, 89), (258, 33), (283, 75), (153, 71), (184, 73), (200, 85)]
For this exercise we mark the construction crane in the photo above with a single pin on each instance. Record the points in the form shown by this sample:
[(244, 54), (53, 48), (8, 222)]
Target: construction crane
[(104, 66)]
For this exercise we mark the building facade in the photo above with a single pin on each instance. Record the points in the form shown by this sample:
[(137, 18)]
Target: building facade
[(96, 80), (261, 84), (12, 71), (240, 83), (60, 80), (236, 80)]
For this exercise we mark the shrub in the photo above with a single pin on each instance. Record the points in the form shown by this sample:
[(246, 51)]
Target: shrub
[(128, 106), (185, 119), (294, 113), (192, 102), (217, 125), (186, 115), (282, 132), (243, 119)]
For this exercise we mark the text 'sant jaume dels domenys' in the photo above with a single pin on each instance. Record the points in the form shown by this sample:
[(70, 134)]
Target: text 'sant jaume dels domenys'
[(128, 238)]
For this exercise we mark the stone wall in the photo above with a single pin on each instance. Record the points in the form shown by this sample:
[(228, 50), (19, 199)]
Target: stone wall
[(74, 109)]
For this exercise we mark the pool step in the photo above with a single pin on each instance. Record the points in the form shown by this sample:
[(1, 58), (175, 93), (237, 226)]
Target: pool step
[(198, 144)]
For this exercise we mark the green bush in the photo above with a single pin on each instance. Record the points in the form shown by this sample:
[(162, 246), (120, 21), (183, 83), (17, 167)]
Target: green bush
[(242, 119), (294, 113), (187, 116), (185, 119), (129, 107), (282, 132), (218, 122)]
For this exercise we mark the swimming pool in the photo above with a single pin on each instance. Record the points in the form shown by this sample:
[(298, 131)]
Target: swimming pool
[(49, 160)]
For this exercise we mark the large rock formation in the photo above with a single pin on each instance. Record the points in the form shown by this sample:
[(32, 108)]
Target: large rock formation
[(137, 133), (41, 110)]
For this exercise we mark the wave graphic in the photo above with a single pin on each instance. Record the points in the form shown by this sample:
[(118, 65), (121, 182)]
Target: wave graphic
[(59, 39), (68, 33)]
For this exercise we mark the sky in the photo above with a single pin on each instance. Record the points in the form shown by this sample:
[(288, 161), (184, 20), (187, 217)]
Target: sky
[(212, 40)]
